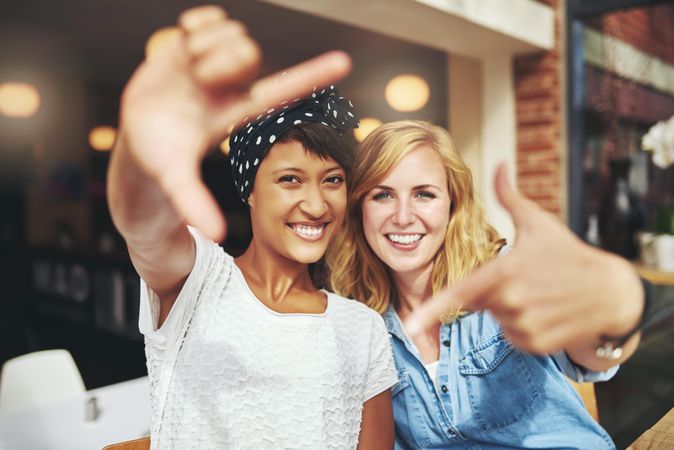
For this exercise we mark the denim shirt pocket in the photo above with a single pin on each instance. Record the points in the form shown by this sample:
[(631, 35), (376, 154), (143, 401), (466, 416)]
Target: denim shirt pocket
[(500, 383)]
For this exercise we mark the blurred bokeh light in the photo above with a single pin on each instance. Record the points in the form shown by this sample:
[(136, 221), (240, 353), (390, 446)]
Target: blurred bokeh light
[(102, 137), (367, 126), (407, 92), (18, 99)]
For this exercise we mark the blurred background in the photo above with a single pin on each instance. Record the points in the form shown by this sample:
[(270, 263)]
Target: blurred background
[(575, 95)]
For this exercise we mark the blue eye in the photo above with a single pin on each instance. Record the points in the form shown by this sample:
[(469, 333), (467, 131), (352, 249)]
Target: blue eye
[(383, 195), (426, 195)]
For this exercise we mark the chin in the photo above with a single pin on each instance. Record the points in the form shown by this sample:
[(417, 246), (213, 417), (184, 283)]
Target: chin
[(308, 256), (398, 266)]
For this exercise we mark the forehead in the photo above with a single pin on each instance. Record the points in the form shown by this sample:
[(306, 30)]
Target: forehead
[(420, 166), (293, 154)]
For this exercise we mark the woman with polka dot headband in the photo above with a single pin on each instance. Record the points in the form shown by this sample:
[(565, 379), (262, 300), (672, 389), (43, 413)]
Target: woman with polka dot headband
[(245, 352)]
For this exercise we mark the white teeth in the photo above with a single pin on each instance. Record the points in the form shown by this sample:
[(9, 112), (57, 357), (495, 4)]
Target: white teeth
[(307, 230), (404, 238)]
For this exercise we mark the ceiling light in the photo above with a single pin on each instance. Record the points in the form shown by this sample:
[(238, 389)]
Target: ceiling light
[(102, 137), (407, 92), (18, 99)]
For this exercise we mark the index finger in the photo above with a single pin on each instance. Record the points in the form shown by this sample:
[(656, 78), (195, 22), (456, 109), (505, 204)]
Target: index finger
[(296, 81), (472, 294)]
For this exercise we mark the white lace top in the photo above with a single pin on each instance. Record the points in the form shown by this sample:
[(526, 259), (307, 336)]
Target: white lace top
[(228, 372)]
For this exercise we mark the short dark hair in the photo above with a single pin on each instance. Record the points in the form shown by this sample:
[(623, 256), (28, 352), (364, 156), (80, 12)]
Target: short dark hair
[(323, 142)]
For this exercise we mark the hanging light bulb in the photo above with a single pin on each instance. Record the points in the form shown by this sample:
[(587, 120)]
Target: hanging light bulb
[(18, 99), (102, 138), (407, 92), (367, 126)]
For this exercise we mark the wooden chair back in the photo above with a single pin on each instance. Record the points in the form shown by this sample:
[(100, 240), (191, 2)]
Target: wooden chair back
[(586, 392), (136, 444)]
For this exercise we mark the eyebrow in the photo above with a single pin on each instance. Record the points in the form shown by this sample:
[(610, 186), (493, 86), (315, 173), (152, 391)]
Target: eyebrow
[(288, 169), (415, 188), (299, 170)]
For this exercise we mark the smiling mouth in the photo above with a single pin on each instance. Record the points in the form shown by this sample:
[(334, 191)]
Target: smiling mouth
[(404, 239), (308, 232)]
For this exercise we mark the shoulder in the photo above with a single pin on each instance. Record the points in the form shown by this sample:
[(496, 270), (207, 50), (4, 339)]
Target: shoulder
[(350, 305), (353, 311), (212, 265), (207, 250)]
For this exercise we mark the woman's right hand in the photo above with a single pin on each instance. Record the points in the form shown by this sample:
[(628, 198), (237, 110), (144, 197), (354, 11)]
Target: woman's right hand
[(182, 100)]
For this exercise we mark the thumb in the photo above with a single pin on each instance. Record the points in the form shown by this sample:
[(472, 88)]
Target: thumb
[(473, 293), (192, 199), (518, 206)]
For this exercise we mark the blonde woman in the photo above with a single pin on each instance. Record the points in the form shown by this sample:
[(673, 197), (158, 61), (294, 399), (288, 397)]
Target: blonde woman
[(414, 225)]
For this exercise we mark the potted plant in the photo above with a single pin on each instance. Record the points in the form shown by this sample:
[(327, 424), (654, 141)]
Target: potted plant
[(660, 141)]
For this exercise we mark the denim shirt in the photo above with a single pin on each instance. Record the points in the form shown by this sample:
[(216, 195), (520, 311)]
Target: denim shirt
[(489, 395)]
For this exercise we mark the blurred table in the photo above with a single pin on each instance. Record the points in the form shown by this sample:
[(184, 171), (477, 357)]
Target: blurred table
[(660, 436), (654, 275), (123, 414)]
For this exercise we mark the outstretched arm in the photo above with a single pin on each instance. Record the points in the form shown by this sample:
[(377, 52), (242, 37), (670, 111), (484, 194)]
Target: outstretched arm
[(175, 107)]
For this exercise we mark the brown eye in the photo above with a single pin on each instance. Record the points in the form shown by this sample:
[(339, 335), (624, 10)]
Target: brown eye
[(289, 179), (336, 179)]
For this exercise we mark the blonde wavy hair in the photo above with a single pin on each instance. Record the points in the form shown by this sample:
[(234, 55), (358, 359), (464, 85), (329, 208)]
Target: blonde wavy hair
[(354, 269)]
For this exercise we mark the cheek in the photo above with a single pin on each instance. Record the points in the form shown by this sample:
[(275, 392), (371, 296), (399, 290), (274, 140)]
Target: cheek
[(372, 221), (337, 202), (437, 217), (340, 201)]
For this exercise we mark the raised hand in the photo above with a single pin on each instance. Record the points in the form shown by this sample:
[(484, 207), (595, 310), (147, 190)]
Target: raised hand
[(183, 99), (550, 292)]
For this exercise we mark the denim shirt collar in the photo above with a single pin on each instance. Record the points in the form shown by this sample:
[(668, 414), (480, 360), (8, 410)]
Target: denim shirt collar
[(393, 324), (395, 328)]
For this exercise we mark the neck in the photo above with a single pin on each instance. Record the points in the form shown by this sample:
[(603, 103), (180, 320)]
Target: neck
[(413, 289), (273, 275)]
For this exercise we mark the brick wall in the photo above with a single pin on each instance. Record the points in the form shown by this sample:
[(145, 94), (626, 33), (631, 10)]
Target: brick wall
[(538, 97), (650, 29), (539, 94)]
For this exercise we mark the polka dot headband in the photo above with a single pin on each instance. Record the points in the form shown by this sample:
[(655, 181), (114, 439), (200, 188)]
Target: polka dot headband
[(250, 143)]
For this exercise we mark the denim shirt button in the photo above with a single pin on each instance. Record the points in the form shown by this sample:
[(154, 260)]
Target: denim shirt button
[(451, 432), (443, 388), (446, 343)]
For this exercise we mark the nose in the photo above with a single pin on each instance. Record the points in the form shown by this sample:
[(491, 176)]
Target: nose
[(403, 214), (314, 203)]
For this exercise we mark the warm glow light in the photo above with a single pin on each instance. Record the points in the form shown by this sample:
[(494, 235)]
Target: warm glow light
[(18, 99), (407, 93), (102, 137), (158, 39), (367, 126), (224, 145)]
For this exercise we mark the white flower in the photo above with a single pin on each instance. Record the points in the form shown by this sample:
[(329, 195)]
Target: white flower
[(660, 141)]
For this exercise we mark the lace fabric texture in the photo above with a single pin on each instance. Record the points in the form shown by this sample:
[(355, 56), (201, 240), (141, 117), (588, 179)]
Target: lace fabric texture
[(227, 372)]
